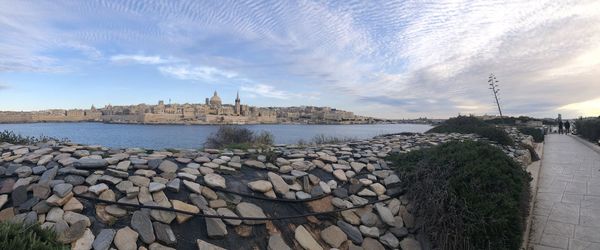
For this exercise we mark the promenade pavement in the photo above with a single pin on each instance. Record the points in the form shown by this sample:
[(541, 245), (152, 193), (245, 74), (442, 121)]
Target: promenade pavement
[(566, 212)]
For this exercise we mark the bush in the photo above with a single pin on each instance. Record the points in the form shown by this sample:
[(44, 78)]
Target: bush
[(588, 128), (324, 139), (473, 125), (469, 195), (11, 137), (536, 133), (20, 236), (236, 137)]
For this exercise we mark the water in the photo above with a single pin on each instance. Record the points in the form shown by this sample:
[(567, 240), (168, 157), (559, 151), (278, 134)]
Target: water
[(193, 136)]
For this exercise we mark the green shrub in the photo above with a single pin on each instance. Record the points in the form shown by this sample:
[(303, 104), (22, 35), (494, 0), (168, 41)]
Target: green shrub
[(588, 128), (20, 236), (236, 137), (536, 133), (11, 137), (324, 139), (473, 125), (469, 195)]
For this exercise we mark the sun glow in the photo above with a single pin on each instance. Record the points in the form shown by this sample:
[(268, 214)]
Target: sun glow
[(586, 108)]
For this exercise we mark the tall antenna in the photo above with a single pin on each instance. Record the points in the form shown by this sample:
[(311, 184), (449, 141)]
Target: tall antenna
[(494, 87)]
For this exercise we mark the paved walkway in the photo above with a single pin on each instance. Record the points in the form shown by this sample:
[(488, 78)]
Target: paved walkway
[(566, 213)]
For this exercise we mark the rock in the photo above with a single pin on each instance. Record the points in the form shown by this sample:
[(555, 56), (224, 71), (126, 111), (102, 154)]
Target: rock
[(85, 242), (409, 243), (392, 179), (369, 231), (86, 163), (350, 217), (215, 180), (276, 242), (74, 180), (3, 200), (168, 166), (72, 233), (104, 216), (104, 239), (250, 210), (139, 181), (141, 223), (23, 171), (334, 236), (73, 205), (305, 239), (180, 205), (369, 219), (61, 190), (6, 186), (155, 186), (192, 186), (41, 190), (389, 240), (203, 245), (340, 175), (19, 195), (260, 186), (157, 246), (223, 211), (325, 187), (108, 195), (372, 244), (164, 233), (352, 232), (255, 164), (98, 189), (279, 185), (215, 228), (73, 218), (7, 214), (41, 208), (54, 200), (340, 193), (378, 188), (385, 214), (174, 185), (115, 210), (126, 239)]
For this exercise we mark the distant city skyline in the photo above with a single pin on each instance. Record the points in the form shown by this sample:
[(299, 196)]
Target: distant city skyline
[(385, 59)]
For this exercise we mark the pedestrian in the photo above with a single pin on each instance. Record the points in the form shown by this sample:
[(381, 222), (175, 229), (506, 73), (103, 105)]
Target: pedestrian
[(560, 127), (567, 127)]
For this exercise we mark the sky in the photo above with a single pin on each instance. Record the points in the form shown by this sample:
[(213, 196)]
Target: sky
[(387, 59)]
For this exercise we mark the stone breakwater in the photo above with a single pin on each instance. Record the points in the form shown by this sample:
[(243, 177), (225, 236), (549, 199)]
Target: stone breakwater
[(48, 183)]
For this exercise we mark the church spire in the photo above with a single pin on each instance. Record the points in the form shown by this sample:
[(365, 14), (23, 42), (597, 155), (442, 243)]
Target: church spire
[(237, 98)]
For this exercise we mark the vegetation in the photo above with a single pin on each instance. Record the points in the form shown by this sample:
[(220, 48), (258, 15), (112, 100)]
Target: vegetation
[(470, 195), (536, 133), (588, 128), (236, 137), (510, 120), (11, 137), (473, 125), (20, 236)]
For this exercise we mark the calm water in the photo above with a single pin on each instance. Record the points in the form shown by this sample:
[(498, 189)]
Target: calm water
[(192, 136)]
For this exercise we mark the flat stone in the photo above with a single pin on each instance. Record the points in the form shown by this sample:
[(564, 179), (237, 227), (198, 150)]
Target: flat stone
[(369, 231), (305, 239), (72, 233), (158, 246), (54, 200), (23, 171), (41, 190), (141, 223), (334, 236), (385, 214), (223, 211), (180, 205), (372, 244), (389, 240), (139, 181), (260, 186), (369, 219), (250, 210), (192, 186), (86, 163), (98, 189), (174, 184), (72, 218), (215, 228), (409, 243), (28, 204), (104, 239), (61, 190), (155, 186), (215, 180), (279, 185), (85, 242), (41, 207), (19, 195), (126, 239), (350, 217), (115, 210), (164, 234), (255, 164), (7, 214), (340, 175), (74, 180), (6, 187), (108, 195), (73, 205), (351, 231), (203, 245), (104, 216), (168, 166)]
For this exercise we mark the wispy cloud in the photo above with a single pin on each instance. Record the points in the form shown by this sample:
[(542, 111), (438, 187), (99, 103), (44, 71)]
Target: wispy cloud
[(269, 91), (200, 73), (141, 59)]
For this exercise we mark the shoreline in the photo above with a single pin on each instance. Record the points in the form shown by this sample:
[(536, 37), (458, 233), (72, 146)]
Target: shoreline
[(216, 124)]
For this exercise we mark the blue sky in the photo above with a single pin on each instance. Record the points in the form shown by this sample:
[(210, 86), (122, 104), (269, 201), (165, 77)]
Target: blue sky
[(393, 59)]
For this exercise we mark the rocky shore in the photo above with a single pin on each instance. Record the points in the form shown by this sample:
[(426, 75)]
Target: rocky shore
[(58, 186)]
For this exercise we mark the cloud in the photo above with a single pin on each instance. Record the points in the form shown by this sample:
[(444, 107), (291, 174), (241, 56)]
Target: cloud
[(3, 86), (141, 59), (589, 107), (199, 73), (269, 91)]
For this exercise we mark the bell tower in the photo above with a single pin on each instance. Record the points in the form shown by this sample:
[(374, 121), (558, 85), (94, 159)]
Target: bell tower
[(237, 104)]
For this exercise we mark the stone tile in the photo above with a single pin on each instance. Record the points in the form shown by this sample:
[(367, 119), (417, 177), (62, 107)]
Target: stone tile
[(590, 217), (541, 247), (583, 245), (559, 228), (537, 228), (587, 233), (576, 188), (565, 212), (557, 241), (572, 198)]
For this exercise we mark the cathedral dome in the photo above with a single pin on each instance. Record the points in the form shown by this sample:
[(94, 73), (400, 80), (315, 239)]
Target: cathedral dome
[(215, 100)]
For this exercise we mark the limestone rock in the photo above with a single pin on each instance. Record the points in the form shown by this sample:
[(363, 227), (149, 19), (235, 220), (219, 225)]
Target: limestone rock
[(85, 242), (305, 239), (215, 180), (179, 205), (126, 239), (260, 186), (246, 209), (104, 239), (334, 236), (141, 223)]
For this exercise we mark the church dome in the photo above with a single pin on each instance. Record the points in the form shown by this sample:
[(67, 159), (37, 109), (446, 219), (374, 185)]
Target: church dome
[(215, 100)]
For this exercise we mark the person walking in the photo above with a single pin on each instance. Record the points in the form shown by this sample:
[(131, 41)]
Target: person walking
[(560, 127), (567, 127)]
